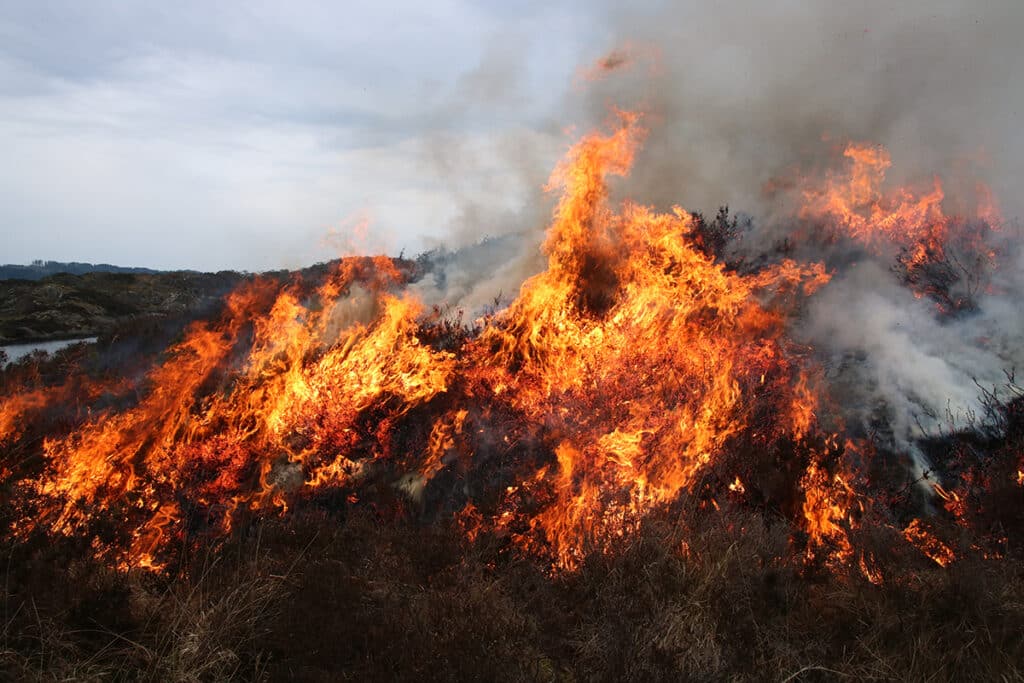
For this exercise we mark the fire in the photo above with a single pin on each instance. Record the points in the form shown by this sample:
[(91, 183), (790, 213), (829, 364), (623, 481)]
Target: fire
[(99, 465), (924, 541), (952, 502), (641, 347), (633, 365), (934, 251), (442, 439), (827, 509), (244, 436), (856, 203), (14, 408)]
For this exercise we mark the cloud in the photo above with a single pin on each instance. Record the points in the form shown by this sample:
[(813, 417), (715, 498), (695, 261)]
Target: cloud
[(244, 131), (217, 135)]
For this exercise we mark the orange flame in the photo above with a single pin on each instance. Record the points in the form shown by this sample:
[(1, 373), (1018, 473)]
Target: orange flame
[(856, 203), (924, 541), (626, 369), (644, 349)]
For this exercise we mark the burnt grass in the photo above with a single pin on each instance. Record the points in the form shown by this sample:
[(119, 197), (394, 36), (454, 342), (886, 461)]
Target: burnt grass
[(382, 588)]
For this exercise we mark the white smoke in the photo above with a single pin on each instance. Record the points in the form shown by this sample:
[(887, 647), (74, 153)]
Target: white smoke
[(895, 362), (738, 94), (481, 277)]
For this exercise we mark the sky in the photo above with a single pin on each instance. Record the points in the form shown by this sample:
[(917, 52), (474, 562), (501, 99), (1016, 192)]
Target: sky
[(258, 135), (210, 134)]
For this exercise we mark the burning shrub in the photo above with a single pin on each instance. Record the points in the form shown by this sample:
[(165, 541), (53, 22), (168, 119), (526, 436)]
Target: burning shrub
[(639, 418)]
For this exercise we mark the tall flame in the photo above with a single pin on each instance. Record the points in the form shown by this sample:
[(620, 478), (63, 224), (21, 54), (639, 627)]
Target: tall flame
[(631, 367)]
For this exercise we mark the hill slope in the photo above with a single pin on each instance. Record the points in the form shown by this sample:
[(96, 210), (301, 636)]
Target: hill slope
[(65, 306)]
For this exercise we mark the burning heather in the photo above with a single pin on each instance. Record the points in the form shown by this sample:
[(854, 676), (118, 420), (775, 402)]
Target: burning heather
[(729, 391), (854, 379)]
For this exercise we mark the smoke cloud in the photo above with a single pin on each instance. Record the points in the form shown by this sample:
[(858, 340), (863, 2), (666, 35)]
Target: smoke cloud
[(737, 97), (739, 92)]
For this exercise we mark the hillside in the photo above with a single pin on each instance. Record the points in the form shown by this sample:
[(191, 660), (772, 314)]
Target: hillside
[(65, 306), (39, 269)]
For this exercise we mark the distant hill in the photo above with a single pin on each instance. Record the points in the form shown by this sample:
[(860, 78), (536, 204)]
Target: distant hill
[(37, 270), (52, 300), (48, 301), (66, 306)]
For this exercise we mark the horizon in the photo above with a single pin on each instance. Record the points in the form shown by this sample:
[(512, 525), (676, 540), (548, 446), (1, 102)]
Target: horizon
[(232, 137)]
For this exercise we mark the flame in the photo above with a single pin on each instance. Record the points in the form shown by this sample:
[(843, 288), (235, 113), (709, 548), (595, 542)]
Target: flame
[(952, 502), (924, 541), (101, 463), (933, 250), (828, 501), (14, 408), (642, 347), (869, 570), (641, 356), (442, 439), (633, 365), (244, 436), (855, 202)]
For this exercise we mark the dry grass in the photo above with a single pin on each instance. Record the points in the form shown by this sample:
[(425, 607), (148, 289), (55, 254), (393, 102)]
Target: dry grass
[(107, 625), (325, 598), (375, 591)]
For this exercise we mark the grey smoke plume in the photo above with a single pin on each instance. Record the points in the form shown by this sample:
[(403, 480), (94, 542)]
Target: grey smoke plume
[(738, 95), (738, 92), (480, 277)]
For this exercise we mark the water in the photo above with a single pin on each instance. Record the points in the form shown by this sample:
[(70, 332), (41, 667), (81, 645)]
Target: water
[(16, 352)]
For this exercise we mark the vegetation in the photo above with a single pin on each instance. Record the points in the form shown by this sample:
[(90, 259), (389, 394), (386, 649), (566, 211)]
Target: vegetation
[(39, 269), (334, 595), (65, 306), (381, 589), (377, 583)]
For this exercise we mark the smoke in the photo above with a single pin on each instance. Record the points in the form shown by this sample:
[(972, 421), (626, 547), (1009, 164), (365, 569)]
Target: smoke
[(737, 97), (899, 370), (739, 92), (358, 307), (480, 277), (492, 145)]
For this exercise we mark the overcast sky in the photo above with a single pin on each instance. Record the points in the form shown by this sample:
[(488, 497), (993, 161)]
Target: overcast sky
[(258, 135), (244, 134)]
